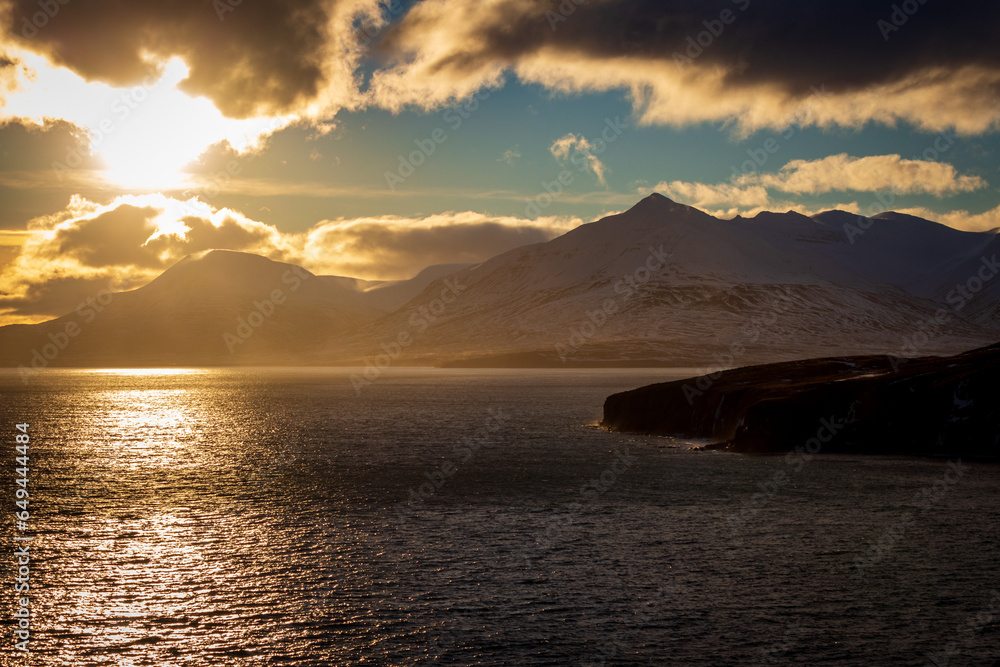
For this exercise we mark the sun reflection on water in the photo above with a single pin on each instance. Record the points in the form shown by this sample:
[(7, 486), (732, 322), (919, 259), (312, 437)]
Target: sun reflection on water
[(149, 427)]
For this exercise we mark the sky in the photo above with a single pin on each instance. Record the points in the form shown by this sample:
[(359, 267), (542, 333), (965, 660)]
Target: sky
[(372, 139)]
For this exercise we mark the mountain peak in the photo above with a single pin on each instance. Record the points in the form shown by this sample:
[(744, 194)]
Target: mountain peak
[(220, 256), (657, 204), (657, 201), (225, 269)]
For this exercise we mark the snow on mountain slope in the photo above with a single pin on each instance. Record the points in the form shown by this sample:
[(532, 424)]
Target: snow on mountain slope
[(890, 248), (665, 282), (390, 295)]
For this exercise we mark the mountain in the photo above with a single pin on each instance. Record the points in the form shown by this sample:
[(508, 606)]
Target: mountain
[(666, 284), (928, 406), (390, 295), (214, 307), (659, 284)]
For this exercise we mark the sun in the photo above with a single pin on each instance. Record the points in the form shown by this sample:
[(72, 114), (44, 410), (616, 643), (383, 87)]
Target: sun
[(154, 131), (144, 135), (163, 130)]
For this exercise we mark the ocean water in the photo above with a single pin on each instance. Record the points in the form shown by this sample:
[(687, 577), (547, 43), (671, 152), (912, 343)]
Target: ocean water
[(460, 517)]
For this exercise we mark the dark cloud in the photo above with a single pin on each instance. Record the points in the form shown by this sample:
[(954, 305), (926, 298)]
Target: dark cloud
[(752, 63), (275, 56), (399, 249), (115, 237), (26, 146), (263, 57), (792, 44)]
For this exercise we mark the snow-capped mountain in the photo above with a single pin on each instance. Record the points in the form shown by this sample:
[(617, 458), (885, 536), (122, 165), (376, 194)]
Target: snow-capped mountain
[(661, 283), (666, 283)]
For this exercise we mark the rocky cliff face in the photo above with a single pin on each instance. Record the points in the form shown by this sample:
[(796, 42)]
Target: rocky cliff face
[(930, 406)]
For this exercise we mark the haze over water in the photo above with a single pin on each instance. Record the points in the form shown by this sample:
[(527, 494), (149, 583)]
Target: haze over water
[(261, 516)]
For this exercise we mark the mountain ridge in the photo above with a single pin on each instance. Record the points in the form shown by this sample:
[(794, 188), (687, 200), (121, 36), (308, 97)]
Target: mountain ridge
[(661, 283)]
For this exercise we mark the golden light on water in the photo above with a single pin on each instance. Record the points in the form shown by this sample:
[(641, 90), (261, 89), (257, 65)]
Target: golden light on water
[(142, 371)]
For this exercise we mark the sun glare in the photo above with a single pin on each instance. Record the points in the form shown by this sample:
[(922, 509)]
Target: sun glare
[(145, 134)]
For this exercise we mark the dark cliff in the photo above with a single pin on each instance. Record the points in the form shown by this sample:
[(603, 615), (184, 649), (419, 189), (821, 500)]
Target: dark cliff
[(930, 406)]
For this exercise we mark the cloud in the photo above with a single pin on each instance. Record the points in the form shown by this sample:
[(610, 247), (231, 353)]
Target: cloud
[(882, 174), (752, 64), (579, 151), (867, 174), (510, 156), (704, 195), (394, 247), (427, 67), (73, 254), (681, 62), (961, 219), (263, 58)]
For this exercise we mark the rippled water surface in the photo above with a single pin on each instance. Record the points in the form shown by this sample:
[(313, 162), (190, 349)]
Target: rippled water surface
[(275, 516)]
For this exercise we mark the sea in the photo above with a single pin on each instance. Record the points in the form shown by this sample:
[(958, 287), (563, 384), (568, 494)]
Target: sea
[(312, 516)]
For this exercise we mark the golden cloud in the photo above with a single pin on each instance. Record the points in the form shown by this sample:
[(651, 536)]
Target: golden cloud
[(867, 174), (579, 150), (881, 174), (705, 196)]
